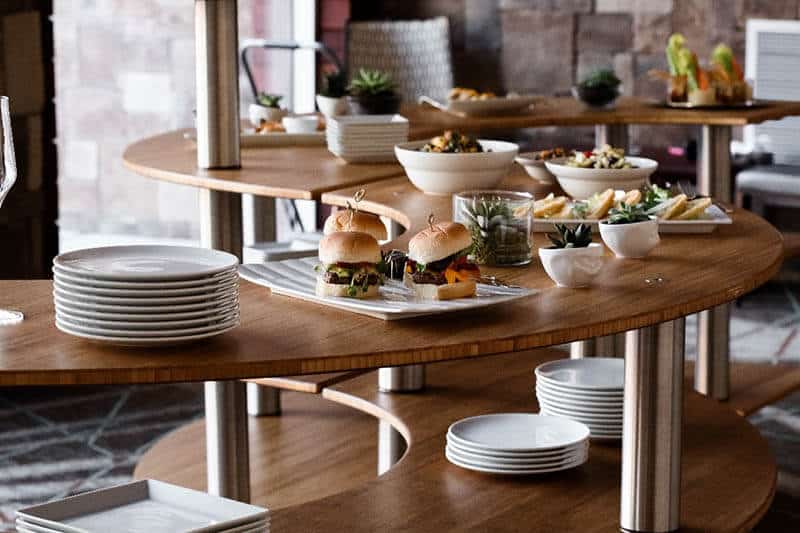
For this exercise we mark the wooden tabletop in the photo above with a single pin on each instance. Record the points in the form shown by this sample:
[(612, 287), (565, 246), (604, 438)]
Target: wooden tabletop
[(299, 172), (317, 477), (566, 111)]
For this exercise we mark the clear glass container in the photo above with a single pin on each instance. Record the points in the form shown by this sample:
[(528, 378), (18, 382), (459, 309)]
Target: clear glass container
[(500, 223)]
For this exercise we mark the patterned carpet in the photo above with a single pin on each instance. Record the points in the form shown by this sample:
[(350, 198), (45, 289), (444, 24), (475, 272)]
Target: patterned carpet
[(60, 441)]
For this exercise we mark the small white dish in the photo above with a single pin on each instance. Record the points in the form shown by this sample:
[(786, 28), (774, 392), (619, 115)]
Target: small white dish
[(632, 241), (573, 267), (257, 112), (583, 182), (589, 405), (582, 415), (535, 168), (574, 449), (531, 461), (300, 124), (516, 432), (510, 471), (595, 374), (448, 173), (607, 397), (331, 107), (491, 463)]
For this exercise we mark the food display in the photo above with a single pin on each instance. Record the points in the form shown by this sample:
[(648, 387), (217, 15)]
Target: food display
[(452, 142), (500, 225), (438, 266), (351, 265), (691, 85), (462, 93), (604, 157)]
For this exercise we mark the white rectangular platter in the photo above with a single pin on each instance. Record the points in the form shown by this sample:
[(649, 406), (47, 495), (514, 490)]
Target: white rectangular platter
[(146, 506), (297, 278), (714, 217)]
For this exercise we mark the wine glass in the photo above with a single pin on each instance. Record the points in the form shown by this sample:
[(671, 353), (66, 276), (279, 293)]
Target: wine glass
[(8, 175)]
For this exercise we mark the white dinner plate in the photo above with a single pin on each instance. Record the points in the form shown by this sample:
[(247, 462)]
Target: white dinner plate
[(589, 413), (141, 342), (489, 462), (146, 333), (557, 452), (87, 279), (579, 403), (571, 395), (296, 278), (151, 325), (92, 306), (507, 471), (60, 290), (517, 432), (597, 425), (516, 461), (210, 288), (146, 262), (590, 374), (208, 314)]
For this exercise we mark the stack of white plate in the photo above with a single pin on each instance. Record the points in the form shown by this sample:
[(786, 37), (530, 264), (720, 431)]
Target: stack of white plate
[(366, 138), (517, 444), (146, 506), (590, 391), (146, 295)]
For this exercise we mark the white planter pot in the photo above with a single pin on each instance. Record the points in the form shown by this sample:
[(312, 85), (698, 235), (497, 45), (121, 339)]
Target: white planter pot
[(630, 240), (573, 267), (257, 112), (331, 107)]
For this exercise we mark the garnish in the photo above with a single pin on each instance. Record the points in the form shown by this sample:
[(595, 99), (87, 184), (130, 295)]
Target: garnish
[(654, 195), (452, 142), (579, 237), (627, 214)]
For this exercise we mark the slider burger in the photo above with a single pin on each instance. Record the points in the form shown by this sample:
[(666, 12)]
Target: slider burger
[(349, 265), (352, 220), (437, 267)]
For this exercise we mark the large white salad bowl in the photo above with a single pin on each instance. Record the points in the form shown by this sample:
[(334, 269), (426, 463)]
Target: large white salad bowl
[(581, 183)]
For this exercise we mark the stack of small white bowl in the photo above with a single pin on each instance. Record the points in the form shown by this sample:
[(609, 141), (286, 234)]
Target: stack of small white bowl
[(146, 295), (366, 138), (517, 444), (590, 391)]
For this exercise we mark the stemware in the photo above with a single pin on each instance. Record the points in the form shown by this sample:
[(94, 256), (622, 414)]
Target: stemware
[(8, 175)]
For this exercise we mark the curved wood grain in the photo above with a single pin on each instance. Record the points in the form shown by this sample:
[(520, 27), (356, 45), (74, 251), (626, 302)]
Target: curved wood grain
[(301, 172), (728, 473)]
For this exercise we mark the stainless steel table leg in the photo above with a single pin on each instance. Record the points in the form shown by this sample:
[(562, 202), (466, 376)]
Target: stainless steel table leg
[(651, 438), (227, 450), (711, 376), (391, 446), (614, 134), (263, 400), (606, 346)]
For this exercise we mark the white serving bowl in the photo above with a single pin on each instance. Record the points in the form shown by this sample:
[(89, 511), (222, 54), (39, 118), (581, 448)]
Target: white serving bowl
[(257, 112), (573, 267), (630, 240), (535, 168), (584, 182), (437, 173), (331, 107), (300, 124)]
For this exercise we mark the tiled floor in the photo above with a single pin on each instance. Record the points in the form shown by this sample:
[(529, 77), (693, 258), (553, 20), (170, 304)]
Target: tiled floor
[(55, 442)]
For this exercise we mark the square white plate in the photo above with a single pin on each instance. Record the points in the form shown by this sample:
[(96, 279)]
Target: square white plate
[(260, 526), (146, 506), (297, 278)]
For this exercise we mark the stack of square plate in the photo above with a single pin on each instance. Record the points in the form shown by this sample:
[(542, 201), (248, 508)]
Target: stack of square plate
[(146, 506), (517, 444), (366, 138), (146, 295), (590, 391)]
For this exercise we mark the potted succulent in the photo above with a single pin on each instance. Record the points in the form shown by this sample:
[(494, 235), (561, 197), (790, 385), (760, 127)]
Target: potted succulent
[(372, 92), (599, 89), (629, 231), (266, 109), (330, 100), (572, 260)]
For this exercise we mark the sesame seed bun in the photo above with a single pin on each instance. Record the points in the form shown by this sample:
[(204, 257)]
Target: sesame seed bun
[(444, 239), (349, 247), (348, 220)]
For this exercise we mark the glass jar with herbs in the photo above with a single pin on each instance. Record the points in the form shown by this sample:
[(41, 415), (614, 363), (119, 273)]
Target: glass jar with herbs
[(500, 223)]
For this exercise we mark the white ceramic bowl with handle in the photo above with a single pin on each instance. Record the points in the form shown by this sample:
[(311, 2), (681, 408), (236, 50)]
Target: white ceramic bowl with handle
[(448, 173), (583, 182), (631, 240), (573, 267)]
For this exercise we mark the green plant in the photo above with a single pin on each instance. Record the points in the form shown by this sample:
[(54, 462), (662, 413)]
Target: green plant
[(602, 78), (654, 195), (579, 237), (371, 83), (335, 84), (627, 214), (270, 100), (496, 237)]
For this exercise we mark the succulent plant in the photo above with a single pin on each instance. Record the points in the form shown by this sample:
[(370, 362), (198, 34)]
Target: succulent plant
[(371, 83), (496, 238), (270, 100), (579, 237), (627, 214), (604, 78), (335, 84)]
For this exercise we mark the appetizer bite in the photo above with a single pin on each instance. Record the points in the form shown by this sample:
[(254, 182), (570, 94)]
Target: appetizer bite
[(453, 142), (463, 93), (603, 157), (437, 267), (350, 265)]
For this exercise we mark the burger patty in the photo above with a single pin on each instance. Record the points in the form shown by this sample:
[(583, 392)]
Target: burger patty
[(336, 279), (429, 276)]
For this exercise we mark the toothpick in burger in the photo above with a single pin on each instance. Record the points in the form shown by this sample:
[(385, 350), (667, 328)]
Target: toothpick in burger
[(354, 220), (349, 265), (437, 267)]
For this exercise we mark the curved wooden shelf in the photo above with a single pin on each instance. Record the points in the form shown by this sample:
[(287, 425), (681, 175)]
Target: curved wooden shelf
[(300, 172), (728, 473)]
